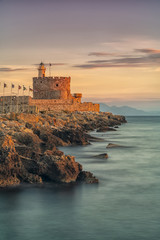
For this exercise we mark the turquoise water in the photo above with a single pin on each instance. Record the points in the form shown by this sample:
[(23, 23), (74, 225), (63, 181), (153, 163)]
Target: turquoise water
[(125, 204)]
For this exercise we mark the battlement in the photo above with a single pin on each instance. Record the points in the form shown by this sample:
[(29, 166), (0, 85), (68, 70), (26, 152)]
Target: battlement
[(52, 78), (61, 78)]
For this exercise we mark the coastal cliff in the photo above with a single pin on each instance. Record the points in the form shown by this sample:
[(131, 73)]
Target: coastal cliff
[(28, 145)]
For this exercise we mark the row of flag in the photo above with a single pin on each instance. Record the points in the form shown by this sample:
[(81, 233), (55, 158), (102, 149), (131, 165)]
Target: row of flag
[(19, 87)]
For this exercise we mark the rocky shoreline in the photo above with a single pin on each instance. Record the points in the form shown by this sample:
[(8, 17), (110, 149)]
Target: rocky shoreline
[(29, 145)]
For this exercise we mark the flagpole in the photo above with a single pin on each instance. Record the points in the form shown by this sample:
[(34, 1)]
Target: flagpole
[(17, 99), (4, 86), (3, 97), (11, 99), (23, 98), (28, 97)]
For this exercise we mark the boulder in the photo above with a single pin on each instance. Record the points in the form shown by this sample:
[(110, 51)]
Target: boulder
[(12, 170), (61, 169), (86, 177)]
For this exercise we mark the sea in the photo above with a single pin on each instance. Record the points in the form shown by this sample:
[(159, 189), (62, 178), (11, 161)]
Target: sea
[(125, 205)]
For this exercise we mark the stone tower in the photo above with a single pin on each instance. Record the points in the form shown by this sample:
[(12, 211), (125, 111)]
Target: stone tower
[(50, 87)]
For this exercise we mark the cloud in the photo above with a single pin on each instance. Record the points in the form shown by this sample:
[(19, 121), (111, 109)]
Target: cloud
[(148, 50), (6, 69), (101, 54), (152, 58), (14, 68), (107, 65)]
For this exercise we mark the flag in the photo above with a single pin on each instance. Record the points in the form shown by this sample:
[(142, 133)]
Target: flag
[(5, 85), (19, 87), (12, 85), (24, 88), (30, 89)]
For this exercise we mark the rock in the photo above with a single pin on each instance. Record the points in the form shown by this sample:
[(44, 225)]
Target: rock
[(28, 145), (112, 145), (103, 155), (72, 136), (2, 133), (12, 171), (62, 169), (86, 177), (49, 139), (28, 138), (28, 125)]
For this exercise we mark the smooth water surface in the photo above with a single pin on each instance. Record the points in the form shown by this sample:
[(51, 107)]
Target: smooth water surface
[(125, 204)]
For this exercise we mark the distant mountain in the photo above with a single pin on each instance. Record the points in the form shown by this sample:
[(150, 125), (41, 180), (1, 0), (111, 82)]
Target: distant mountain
[(125, 110)]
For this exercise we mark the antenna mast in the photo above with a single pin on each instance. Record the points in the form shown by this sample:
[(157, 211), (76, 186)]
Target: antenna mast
[(50, 69)]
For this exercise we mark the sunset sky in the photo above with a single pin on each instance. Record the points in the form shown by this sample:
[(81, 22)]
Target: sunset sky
[(110, 48)]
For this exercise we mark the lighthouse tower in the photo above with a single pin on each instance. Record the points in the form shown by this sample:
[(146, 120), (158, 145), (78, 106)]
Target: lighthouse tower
[(41, 70)]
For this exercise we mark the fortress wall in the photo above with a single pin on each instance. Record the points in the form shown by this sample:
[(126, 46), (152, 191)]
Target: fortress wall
[(66, 105), (19, 108), (28, 104), (16, 104), (46, 102), (7, 100)]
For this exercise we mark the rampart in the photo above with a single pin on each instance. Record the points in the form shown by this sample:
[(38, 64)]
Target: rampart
[(66, 105), (27, 104), (17, 104)]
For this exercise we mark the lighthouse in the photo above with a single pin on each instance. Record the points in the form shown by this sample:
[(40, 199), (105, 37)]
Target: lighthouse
[(41, 70)]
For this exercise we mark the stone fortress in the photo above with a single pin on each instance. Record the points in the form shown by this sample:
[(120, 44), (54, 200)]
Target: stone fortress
[(49, 94)]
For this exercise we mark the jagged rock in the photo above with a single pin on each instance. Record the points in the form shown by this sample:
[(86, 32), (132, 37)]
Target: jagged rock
[(86, 177), (62, 169), (28, 145), (49, 139), (12, 171), (28, 138), (72, 136)]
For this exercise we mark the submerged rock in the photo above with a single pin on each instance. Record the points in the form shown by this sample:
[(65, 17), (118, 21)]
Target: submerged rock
[(112, 145), (103, 155)]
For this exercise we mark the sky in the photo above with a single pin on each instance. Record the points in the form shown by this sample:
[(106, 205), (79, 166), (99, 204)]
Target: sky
[(110, 48)]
